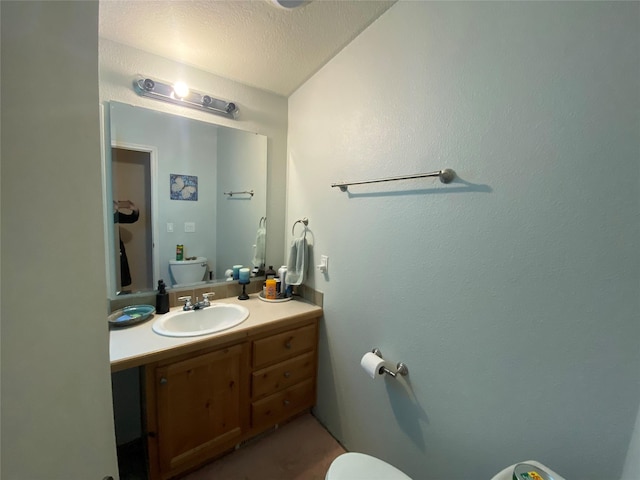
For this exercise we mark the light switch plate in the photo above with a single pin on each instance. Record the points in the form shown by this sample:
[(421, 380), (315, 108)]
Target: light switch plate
[(189, 227), (169, 227), (324, 264)]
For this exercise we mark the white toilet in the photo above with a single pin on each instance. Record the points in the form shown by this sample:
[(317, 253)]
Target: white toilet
[(543, 471), (358, 466), (188, 272)]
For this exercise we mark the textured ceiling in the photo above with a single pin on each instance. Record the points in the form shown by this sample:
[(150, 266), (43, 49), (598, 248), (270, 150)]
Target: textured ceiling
[(252, 42)]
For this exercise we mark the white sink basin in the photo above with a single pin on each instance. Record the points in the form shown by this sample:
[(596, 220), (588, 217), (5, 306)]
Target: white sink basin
[(192, 323)]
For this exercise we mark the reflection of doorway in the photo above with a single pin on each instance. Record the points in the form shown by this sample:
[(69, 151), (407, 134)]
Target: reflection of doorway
[(131, 178)]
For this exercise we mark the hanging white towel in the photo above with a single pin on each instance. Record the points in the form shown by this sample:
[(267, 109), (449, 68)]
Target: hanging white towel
[(259, 253), (298, 259)]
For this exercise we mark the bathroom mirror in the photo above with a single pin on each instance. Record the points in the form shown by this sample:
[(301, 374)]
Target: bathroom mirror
[(175, 181)]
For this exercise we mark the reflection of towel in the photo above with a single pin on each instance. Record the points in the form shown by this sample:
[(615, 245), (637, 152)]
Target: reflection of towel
[(298, 259), (260, 248)]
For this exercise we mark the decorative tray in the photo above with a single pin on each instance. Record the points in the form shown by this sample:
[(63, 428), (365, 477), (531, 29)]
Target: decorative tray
[(279, 299), (131, 315)]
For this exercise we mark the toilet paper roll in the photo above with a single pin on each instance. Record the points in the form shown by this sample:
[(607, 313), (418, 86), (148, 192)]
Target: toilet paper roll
[(372, 364)]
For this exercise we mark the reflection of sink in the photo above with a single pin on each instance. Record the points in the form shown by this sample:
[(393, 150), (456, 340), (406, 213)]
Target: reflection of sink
[(217, 317)]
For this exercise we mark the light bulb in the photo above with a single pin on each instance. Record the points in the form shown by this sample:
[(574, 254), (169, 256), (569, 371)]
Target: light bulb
[(181, 89)]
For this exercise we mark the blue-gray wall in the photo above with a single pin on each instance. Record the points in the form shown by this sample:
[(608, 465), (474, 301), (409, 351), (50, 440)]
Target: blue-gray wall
[(512, 294)]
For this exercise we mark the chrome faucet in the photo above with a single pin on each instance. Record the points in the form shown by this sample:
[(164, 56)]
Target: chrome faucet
[(198, 305)]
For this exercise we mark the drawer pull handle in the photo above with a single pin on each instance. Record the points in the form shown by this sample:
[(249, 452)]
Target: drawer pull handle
[(286, 403), (288, 343), (287, 374)]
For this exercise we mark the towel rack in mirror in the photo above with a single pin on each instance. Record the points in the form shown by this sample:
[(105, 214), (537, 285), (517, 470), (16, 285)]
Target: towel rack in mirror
[(446, 176), (246, 192)]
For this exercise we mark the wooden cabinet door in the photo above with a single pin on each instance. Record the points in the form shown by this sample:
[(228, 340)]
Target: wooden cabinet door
[(198, 407)]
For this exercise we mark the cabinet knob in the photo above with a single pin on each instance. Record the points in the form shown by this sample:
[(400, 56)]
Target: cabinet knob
[(163, 381), (288, 343), (286, 402), (287, 374)]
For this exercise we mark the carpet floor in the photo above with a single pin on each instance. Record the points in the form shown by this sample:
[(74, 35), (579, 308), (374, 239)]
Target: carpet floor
[(299, 450)]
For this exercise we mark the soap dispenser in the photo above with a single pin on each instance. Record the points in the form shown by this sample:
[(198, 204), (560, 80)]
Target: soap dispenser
[(162, 298)]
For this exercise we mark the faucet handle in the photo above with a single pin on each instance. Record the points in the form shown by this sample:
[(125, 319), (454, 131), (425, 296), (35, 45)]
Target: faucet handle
[(187, 302), (205, 298)]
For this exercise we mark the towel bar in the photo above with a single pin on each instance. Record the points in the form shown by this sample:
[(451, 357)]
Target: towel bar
[(446, 176)]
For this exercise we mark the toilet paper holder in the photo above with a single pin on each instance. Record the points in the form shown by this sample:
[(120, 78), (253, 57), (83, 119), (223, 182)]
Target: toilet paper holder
[(401, 368)]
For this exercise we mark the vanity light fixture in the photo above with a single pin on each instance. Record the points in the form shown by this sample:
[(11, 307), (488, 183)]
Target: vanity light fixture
[(180, 94)]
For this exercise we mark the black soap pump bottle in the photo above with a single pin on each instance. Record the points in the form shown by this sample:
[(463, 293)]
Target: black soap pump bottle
[(162, 298)]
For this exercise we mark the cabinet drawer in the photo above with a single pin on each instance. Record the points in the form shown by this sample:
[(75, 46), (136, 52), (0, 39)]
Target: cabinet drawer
[(282, 405), (284, 345), (282, 375)]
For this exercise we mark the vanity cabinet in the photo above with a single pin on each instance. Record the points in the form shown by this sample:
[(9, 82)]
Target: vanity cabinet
[(202, 404)]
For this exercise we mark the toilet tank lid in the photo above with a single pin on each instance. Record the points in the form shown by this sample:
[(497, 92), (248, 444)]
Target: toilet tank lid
[(188, 262), (358, 465)]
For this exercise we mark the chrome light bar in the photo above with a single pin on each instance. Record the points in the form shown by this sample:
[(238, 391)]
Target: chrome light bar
[(148, 87)]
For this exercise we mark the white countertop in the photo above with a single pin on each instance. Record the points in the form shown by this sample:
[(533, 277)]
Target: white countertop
[(139, 344)]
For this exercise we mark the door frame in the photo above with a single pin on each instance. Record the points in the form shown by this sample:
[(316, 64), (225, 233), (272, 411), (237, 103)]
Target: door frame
[(152, 151)]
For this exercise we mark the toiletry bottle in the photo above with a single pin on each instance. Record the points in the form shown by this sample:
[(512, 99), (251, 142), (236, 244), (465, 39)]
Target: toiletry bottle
[(271, 293), (270, 273), (282, 273), (162, 298)]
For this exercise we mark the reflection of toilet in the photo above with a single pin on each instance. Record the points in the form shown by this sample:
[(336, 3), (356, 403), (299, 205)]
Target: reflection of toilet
[(188, 272), (350, 466)]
